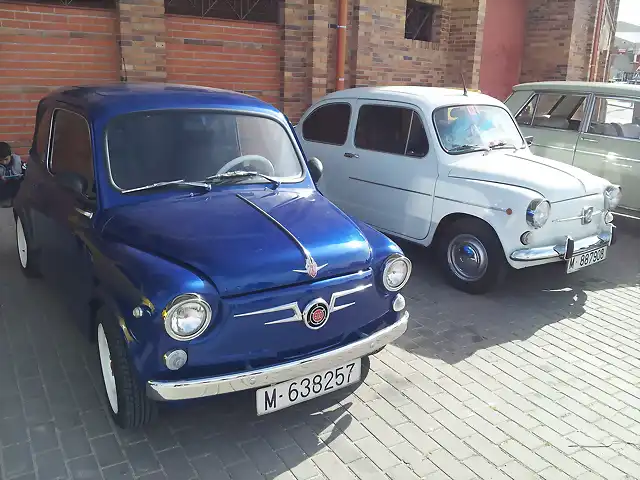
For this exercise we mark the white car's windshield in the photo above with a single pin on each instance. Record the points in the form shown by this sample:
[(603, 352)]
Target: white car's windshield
[(468, 128), (150, 148)]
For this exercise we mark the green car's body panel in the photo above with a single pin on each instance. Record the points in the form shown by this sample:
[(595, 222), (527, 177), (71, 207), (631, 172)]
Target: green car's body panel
[(594, 126)]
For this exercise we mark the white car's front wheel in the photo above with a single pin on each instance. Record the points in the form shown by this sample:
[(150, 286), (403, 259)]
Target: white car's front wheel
[(471, 256)]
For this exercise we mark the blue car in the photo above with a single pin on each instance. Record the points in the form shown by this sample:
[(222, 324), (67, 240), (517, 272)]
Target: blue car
[(182, 227)]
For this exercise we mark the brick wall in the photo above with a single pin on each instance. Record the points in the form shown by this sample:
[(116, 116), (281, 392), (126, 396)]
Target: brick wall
[(466, 29), (385, 57), (290, 65), (239, 56), (582, 36), (43, 47), (141, 37), (548, 40)]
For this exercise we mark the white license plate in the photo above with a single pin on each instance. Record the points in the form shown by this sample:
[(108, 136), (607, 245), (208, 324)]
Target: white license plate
[(583, 260), (283, 395)]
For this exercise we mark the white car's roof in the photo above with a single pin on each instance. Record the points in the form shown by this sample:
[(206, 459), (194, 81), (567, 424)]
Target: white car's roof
[(430, 97)]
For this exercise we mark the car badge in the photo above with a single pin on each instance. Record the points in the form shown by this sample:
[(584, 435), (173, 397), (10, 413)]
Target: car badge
[(311, 268), (316, 314), (587, 215)]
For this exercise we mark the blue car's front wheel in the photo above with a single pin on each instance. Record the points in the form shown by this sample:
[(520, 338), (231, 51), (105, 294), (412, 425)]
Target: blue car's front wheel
[(126, 399)]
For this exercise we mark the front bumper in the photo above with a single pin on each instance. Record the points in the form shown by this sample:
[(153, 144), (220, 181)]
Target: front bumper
[(566, 250), (206, 387)]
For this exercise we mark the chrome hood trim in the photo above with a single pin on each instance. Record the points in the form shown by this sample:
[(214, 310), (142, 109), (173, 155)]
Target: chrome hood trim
[(311, 267)]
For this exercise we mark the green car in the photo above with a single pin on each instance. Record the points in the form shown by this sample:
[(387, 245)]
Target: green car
[(593, 126)]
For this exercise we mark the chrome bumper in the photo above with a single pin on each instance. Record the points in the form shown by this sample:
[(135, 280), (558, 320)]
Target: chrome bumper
[(566, 250), (205, 387)]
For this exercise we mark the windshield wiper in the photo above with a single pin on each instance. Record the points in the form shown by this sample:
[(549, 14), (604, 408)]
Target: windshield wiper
[(460, 148), (182, 182), (502, 145), (239, 174)]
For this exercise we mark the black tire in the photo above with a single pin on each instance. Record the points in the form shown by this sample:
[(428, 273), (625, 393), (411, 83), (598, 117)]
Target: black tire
[(134, 408), (28, 257), (496, 264)]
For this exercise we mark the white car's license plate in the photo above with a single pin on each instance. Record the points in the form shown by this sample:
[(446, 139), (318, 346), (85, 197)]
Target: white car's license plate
[(283, 395), (583, 260)]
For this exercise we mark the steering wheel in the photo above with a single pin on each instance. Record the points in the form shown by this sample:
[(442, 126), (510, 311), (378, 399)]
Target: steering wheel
[(229, 166)]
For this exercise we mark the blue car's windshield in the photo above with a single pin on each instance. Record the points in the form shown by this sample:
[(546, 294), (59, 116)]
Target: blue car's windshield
[(468, 128), (147, 148)]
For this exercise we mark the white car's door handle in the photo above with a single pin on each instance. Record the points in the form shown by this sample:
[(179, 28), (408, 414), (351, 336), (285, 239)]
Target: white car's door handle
[(351, 155), (591, 140)]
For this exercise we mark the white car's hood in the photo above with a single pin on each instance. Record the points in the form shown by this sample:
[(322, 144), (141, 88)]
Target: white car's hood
[(556, 181)]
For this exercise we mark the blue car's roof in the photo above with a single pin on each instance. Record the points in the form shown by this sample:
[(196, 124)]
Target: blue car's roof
[(117, 98)]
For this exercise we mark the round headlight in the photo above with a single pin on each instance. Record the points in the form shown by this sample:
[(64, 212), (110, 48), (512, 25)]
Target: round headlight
[(186, 317), (397, 270), (538, 213), (612, 196)]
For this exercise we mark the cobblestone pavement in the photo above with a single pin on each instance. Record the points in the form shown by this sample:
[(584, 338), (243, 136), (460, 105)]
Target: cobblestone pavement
[(540, 380)]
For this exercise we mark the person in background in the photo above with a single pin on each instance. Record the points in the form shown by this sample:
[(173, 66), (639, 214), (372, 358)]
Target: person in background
[(10, 174)]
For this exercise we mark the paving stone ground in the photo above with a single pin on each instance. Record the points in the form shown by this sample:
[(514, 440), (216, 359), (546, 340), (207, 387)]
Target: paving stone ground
[(539, 380)]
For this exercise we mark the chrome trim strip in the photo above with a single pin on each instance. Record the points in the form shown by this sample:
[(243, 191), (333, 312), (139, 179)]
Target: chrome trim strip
[(390, 186), (309, 259), (579, 217), (498, 209), (553, 147), (205, 387), (297, 313), (557, 251)]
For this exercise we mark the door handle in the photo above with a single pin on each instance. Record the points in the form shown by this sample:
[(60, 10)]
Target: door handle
[(84, 212), (351, 155), (590, 140)]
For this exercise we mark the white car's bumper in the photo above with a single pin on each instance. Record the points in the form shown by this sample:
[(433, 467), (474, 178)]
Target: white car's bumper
[(566, 250)]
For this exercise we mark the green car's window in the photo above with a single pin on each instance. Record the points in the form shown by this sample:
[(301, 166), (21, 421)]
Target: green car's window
[(559, 111), (616, 117)]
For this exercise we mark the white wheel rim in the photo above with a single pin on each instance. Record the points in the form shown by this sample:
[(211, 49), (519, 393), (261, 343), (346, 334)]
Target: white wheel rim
[(107, 371), (22, 243)]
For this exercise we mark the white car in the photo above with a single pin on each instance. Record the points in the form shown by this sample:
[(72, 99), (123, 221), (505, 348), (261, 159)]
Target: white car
[(452, 168)]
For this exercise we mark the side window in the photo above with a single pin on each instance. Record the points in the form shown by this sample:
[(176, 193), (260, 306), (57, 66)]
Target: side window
[(71, 147), (526, 114), (328, 124), (615, 117), (562, 112), (394, 130), (42, 135)]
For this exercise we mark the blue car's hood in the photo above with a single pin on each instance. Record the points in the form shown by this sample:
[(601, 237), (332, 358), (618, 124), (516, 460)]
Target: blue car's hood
[(239, 248)]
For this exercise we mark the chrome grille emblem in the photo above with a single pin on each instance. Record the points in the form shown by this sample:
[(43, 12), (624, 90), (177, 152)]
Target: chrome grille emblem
[(587, 215), (315, 314)]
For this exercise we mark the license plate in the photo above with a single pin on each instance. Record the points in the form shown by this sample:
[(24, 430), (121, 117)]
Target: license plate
[(283, 395), (586, 259)]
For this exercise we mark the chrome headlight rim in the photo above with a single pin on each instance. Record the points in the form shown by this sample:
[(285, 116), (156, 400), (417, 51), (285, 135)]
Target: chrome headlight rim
[(532, 209), (389, 262), (178, 302), (612, 197)]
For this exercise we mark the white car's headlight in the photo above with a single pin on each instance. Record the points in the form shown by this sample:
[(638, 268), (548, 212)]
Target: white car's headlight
[(538, 213), (186, 317), (612, 196), (396, 273)]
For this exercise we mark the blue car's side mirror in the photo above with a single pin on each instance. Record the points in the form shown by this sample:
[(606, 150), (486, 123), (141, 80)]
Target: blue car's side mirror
[(315, 169)]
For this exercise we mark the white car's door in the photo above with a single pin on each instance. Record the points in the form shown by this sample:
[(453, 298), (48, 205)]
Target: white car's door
[(323, 131), (393, 168)]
